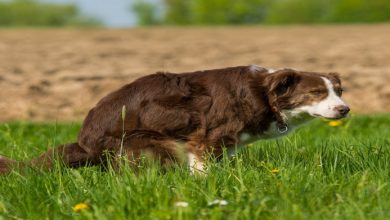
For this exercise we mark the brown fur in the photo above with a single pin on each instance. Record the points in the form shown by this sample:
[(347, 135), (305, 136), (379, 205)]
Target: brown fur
[(203, 110)]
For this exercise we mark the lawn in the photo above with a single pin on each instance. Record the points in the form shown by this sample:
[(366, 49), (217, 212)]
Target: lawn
[(318, 172)]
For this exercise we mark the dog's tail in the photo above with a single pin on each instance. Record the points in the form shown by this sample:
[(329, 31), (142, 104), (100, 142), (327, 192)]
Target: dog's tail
[(71, 155), (6, 165)]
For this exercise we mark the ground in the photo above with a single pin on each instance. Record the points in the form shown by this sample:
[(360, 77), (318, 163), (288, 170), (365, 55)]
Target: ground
[(59, 74)]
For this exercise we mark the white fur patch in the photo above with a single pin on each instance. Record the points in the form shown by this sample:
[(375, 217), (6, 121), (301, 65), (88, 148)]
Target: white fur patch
[(256, 68), (271, 71), (195, 164)]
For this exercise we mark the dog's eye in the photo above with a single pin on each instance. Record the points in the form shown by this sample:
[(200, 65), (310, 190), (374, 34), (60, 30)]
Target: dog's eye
[(316, 92), (339, 91)]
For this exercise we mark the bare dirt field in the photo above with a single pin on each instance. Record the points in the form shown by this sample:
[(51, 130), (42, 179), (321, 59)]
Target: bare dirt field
[(59, 74)]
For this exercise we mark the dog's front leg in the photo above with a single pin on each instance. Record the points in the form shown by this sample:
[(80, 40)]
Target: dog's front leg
[(195, 158), (196, 163)]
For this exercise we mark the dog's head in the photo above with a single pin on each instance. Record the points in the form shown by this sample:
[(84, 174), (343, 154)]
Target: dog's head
[(306, 93)]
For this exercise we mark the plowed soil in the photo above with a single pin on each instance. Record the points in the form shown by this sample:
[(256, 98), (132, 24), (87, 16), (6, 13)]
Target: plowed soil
[(59, 74)]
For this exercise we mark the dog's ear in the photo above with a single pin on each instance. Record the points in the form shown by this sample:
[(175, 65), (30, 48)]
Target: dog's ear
[(278, 85), (335, 77), (281, 82)]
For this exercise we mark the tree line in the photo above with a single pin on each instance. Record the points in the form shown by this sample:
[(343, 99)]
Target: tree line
[(35, 13), (221, 12)]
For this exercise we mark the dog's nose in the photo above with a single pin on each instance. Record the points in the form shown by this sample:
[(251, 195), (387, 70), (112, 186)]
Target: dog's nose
[(342, 109)]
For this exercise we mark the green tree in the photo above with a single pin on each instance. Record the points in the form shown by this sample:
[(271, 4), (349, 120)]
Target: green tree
[(179, 12), (230, 11), (34, 13), (146, 13), (299, 11), (359, 11)]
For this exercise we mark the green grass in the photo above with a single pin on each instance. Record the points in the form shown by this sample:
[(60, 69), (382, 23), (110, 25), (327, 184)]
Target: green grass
[(325, 173)]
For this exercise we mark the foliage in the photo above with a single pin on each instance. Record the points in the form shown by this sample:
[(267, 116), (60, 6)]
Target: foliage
[(360, 11), (35, 13), (174, 6), (298, 11), (319, 172), (229, 11), (180, 12), (145, 12)]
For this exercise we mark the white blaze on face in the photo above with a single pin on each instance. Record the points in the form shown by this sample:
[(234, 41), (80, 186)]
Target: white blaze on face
[(327, 107)]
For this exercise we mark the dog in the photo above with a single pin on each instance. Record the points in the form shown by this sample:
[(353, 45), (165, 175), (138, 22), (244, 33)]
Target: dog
[(199, 113)]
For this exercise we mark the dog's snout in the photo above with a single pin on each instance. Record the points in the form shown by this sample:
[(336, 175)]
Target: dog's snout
[(342, 109)]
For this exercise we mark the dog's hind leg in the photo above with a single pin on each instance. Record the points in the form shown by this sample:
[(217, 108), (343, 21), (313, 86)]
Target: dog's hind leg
[(152, 146)]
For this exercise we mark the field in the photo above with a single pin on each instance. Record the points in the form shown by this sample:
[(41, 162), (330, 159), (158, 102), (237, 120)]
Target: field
[(50, 78), (319, 172), (59, 74)]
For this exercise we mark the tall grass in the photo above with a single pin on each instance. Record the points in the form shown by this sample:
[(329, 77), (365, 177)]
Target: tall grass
[(319, 172)]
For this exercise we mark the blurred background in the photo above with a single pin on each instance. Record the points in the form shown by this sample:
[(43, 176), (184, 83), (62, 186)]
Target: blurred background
[(59, 57)]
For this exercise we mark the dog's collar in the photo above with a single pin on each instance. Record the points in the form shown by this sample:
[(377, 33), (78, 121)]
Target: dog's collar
[(282, 127), (280, 122)]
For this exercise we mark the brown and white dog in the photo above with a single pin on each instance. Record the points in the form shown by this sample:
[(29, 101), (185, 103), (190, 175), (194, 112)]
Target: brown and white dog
[(198, 113)]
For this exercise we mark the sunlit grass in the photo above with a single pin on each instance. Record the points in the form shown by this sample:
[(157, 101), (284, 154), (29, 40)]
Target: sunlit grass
[(319, 172)]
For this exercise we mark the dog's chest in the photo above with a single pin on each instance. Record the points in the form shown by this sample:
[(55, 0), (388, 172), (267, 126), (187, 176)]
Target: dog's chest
[(247, 138), (271, 132)]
